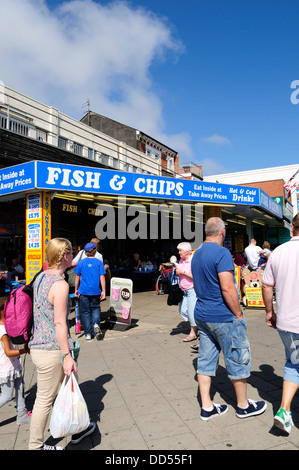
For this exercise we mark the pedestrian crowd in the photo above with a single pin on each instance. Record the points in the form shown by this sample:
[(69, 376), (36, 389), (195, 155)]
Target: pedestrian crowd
[(210, 303), (217, 319)]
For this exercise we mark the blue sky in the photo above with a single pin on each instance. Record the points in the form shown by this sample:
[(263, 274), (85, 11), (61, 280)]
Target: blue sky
[(210, 78)]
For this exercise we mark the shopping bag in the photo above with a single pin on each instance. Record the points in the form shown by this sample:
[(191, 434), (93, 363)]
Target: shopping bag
[(175, 295), (70, 414)]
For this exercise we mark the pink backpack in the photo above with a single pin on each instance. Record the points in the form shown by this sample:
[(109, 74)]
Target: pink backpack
[(18, 314)]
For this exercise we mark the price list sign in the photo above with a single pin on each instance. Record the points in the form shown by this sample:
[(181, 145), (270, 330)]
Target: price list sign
[(34, 236), (34, 206), (38, 231)]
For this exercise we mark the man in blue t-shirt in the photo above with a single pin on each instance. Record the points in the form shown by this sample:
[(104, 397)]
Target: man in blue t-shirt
[(90, 288), (221, 324)]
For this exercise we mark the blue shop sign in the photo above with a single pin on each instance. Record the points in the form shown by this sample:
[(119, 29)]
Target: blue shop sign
[(268, 203), (51, 176), (18, 178)]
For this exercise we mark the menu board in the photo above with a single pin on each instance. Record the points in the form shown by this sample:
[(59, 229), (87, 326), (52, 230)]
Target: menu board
[(38, 231), (121, 296)]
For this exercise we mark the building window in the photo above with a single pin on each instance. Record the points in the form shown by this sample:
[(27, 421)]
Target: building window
[(62, 143), (3, 122), (77, 148), (104, 159), (115, 163), (170, 164), (42, 136), (152, 152), (90, 154), (124, 166)]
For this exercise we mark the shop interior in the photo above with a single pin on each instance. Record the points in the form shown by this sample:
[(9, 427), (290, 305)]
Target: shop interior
[(75, 216)]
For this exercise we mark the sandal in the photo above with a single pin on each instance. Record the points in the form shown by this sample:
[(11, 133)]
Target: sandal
[(189, 338), (195, 347)]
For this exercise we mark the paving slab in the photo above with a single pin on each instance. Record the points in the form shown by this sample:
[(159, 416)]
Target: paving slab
[(141, 388)]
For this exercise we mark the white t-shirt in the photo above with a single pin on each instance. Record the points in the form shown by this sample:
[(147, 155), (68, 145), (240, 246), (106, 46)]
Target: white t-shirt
[(252, 255), (282, 271), (10, 367), (82, 255)]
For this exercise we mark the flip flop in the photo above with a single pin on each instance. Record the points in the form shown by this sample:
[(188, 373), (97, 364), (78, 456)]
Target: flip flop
[(189, 338), (195, 347)]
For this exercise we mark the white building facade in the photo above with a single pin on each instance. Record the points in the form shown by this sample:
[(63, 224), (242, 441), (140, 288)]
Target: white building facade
[(30, 118), (280, 183), (286, 172)]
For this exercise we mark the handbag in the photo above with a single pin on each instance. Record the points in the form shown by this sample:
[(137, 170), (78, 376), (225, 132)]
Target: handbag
[(70, 413), (175, 295)]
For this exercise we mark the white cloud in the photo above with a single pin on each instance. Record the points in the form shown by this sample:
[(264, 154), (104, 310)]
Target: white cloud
[(211, 167), (217, 140), (87, 50), (179, 142)]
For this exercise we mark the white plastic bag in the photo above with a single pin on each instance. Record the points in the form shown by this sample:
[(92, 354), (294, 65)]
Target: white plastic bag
[(70, 414)]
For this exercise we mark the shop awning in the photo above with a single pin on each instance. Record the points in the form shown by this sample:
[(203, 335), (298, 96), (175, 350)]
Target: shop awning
[(19, 180)]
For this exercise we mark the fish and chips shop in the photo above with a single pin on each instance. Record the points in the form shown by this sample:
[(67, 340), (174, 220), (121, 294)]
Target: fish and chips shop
[(60, 199)]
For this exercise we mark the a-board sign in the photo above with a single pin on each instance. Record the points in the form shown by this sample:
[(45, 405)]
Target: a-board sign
[(121, 296)]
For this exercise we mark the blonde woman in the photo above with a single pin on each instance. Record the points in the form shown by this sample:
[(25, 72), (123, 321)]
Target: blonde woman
[(50, 341)]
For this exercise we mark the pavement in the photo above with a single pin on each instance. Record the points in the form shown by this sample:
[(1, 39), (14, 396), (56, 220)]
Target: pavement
[(141, 389)]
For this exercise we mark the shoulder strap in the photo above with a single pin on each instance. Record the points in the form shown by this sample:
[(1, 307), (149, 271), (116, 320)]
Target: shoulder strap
[(41, 278), (39, 272)]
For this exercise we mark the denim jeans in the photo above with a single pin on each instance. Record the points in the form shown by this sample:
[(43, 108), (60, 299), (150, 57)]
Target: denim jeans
[(230, 338), (291, 345), (90, 312), (187, 306)]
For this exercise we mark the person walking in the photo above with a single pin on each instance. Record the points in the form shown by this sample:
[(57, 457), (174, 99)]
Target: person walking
[(50, 345), (221, 324), (82, 253), (90, 288), (282, 272), (187, 305), (252, 253)]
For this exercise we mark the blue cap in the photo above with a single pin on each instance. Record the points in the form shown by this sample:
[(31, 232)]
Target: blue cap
[(89, 246)]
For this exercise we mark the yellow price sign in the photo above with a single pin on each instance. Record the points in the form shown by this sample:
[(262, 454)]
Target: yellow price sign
[(38, 231), (254, 297)]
